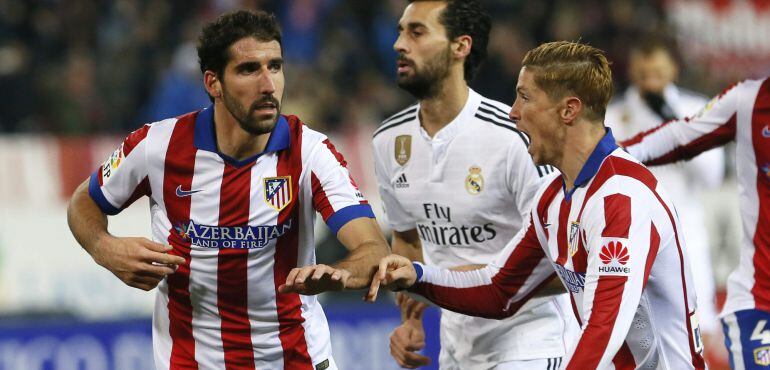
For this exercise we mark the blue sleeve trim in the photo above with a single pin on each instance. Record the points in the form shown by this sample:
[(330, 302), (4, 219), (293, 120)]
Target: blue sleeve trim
[(347, 214), (418, 270), (95, 191)]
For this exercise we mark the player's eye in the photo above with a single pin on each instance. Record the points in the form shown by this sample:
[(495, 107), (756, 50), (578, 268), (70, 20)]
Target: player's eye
[(275, 66)]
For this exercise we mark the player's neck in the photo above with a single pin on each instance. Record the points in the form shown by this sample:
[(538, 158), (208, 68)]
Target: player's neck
[(233, 141), (436, 112), (581, 142)]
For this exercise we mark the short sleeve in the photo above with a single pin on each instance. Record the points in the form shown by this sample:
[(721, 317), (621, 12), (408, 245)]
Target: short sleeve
[(335, 194), (122, 178)]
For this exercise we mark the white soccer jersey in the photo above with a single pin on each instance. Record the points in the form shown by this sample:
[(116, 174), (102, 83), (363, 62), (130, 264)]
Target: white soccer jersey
[(465, 191), (742, 114), (241, 226), (614, 242), (629, 115)]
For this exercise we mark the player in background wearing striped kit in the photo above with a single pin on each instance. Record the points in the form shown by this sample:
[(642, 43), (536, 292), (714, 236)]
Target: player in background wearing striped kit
[(603, 226), (452, 202), (650, 100), (740, 114), (233, 191)]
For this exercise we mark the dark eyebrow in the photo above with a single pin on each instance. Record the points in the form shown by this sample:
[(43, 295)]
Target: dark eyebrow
[(412, 26), (248, 65)]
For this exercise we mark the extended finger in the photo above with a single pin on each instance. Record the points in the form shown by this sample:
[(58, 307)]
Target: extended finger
[(161, 270), (163, 258), (320, 271), (374, 287), (292, 276), (304, 273), (153, 246)]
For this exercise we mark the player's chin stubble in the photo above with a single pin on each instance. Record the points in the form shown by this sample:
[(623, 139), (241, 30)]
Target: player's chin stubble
[(247, 118)]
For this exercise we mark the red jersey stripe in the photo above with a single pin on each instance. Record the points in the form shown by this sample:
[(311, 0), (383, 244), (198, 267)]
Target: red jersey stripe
[(179, 168), (291, 332), (232, 292), (320, 200), (617, 216), (759, 121), (606, 303)]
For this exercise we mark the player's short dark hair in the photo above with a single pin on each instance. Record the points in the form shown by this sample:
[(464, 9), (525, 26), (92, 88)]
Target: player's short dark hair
[(648, 45), (216, 37), (467, 17)]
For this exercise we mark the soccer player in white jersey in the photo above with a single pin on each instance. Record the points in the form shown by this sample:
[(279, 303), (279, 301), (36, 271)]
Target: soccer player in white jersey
[(602, 225), (741, 114), (651, 99), (233, 190), (452, 202)]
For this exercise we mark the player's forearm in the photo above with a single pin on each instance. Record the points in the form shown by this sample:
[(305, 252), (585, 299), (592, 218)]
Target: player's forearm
[(86, 220), (362, 262), (470, 292)]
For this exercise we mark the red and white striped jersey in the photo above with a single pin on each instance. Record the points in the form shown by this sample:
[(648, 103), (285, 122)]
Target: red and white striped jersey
[(741, 113), (613, 241), (241, 226)]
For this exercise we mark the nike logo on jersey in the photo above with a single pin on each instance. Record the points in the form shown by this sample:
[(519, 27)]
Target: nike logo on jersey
[(766, 131), (185, 193)]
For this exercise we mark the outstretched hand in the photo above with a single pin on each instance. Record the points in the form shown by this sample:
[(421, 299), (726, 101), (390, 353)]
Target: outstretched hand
[(314, 279), (395, 273)]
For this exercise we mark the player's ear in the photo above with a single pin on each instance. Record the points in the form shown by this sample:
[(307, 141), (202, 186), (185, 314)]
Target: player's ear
[(212, 84), (571, 108), (461, 46)]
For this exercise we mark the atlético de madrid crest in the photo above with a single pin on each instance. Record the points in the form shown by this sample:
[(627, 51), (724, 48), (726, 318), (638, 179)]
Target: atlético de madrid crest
[(278, 191)]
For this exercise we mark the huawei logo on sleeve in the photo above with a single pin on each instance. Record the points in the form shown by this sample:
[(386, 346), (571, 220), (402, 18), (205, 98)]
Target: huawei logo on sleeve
[(614, 251), (614, 257)]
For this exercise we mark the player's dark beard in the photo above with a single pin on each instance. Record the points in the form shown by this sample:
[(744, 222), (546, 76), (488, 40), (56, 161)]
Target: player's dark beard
[(249, 123), (426, 82)]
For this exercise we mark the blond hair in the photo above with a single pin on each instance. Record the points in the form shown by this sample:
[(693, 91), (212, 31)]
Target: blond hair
[(564, 68)]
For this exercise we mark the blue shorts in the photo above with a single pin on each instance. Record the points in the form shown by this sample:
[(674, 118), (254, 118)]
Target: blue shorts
[(747, 337)]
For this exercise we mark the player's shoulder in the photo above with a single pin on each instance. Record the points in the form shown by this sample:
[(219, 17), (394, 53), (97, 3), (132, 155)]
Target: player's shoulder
[(395, 123), (621, 173), (494, 115), (691, 96)]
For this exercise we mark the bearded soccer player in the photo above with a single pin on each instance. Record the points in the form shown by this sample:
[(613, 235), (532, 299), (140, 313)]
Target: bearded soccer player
[(451, 201), (741, 114), (233, 192), (603, 226)]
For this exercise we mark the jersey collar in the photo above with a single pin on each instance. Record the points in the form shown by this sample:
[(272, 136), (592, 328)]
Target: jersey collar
[(464, 118), (605, 147), (205, 137)]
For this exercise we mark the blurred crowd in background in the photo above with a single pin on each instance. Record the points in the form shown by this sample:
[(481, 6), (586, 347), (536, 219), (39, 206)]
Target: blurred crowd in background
[(75, 67)]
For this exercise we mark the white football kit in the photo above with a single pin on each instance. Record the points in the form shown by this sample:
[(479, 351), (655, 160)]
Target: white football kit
[(241, 227), (614, 242), (629, 115), (465, 191)]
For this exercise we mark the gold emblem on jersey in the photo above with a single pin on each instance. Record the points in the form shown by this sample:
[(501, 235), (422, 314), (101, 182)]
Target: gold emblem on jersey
[(574, 236), (474, 183), (403, 149)]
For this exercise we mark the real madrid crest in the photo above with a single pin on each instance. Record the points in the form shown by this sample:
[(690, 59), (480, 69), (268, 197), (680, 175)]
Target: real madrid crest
[(403, 150), (574, 237), (278, 192), (474, 183)]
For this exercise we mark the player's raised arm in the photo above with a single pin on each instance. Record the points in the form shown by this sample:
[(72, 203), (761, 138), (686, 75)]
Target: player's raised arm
[(685, 138), (495, 291)]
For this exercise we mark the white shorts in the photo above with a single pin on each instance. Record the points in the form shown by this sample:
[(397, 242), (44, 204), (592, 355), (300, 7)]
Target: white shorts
[(537, 364)]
